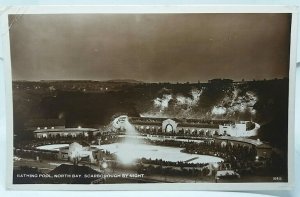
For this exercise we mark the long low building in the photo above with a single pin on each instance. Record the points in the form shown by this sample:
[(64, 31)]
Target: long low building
[(201, 127), (163, 126), (64, 132)]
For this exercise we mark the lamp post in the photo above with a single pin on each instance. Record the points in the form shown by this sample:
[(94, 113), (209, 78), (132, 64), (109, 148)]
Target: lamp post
[(215, 169), (104, 165)]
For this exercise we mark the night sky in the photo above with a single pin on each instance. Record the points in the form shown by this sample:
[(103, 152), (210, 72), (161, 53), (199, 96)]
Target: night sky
[(150, 47)]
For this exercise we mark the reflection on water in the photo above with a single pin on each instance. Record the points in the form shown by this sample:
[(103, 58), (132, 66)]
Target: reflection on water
[(131, 152)]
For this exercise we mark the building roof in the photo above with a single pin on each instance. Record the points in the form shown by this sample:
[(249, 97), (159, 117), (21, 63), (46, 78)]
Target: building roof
[(182, 122), (65, 130), (154, 119), (202, 126), (147, 123)]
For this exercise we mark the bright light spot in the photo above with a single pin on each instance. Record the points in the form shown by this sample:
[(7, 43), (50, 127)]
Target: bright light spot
[(104, 165), (129, 144), (163, 102), (253, 111), (216, 165), (236, 103), (218, 110), (124, 150)]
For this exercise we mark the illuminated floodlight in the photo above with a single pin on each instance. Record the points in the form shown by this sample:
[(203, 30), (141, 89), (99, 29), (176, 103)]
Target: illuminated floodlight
[(216, 165), (104, 165)]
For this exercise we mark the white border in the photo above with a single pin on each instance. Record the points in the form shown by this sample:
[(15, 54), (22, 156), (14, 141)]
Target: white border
[(149, 9)]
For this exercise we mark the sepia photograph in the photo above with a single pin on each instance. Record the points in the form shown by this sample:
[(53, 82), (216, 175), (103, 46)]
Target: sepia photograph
[(150, 98)]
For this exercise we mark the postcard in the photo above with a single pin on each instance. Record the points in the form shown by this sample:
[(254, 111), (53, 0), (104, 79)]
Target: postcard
[(150, 97)]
